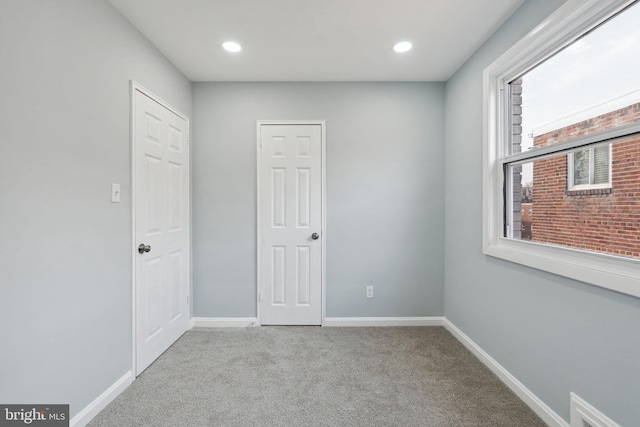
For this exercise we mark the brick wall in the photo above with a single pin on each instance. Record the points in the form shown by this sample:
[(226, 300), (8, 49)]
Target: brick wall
[(604, 220)]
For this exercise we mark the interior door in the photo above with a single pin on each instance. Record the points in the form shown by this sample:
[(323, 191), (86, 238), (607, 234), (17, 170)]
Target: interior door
[(161, 215), (290, 268)]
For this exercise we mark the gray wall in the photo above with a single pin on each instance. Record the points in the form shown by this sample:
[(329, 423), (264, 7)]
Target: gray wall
[(555, 335), (384, 193), (65, 249), (65, 255)]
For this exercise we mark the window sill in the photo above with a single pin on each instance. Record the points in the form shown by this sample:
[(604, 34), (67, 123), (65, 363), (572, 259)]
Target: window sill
[(589, 191), (606, 271)]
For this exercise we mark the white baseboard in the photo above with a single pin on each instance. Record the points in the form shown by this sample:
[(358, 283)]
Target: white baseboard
[(83, 417), (548, 415), (224, 322), (383, 321)]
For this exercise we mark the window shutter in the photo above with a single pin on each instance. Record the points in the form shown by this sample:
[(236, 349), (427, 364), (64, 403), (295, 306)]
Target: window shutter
[(601, 164)]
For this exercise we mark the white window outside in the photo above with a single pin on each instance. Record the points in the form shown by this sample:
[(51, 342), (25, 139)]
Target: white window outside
[(590, 168), (585, 159)]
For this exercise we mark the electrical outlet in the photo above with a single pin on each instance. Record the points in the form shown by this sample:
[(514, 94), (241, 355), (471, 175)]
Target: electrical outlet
[(115, 193), (369, 291)]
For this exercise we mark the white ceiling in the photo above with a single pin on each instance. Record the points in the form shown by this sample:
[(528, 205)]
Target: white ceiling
[(317, 40)]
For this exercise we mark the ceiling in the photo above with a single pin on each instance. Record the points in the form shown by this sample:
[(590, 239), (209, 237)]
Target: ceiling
[(317, 40)]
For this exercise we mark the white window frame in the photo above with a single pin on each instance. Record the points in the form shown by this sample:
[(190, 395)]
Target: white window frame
[(563, 27), (590, 186)]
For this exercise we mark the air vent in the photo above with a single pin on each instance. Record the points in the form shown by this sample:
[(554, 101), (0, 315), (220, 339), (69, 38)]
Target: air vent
[(585, 415)]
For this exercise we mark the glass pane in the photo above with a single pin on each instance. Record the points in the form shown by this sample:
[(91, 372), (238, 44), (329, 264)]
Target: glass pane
[(604, 220), (601, 165), (573, 93), (581, 167)]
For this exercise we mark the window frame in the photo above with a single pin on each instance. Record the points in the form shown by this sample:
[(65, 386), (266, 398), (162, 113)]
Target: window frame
[(591, 186), (567, 24)]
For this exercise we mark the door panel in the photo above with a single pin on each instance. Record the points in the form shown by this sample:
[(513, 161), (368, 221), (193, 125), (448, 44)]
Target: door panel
[(161, 207), (303, 275), (278, 197), (303, 197), (278, 275), (291, 211)]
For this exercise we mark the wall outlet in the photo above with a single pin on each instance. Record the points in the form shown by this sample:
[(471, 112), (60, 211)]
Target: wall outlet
[(369, 291), (115, 193)]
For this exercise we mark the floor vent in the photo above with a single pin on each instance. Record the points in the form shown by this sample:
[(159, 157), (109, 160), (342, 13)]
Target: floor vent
[(585, 415)]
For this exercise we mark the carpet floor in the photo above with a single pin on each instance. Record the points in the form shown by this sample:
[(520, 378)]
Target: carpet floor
[(313, 376)]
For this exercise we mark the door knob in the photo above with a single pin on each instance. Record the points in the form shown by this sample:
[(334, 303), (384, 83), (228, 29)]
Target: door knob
[(144, 248), (315, 236)]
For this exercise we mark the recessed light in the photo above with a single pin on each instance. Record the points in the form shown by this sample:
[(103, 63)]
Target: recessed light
[(402, 47), (232, 47)]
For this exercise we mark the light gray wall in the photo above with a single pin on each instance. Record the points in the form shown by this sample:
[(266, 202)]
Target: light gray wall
[(65, 249), (384, 193), (554, 334)]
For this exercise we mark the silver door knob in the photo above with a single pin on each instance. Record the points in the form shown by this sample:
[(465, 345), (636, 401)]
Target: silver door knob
[(315, 236), (144, 248)]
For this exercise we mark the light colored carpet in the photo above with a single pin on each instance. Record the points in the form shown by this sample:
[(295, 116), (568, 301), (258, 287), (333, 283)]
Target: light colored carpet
[(312, 376)]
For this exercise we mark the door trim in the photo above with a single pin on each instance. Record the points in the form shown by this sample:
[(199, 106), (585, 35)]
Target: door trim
[(323, 224), (135, 86)]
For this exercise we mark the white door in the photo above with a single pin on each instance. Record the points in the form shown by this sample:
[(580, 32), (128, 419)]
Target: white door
[(290, 262), (161, 215)]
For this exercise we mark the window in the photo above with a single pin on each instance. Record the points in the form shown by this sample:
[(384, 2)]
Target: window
[(562, 164), (590, 169)]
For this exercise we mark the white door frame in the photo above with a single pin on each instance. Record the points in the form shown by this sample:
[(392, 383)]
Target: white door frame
[(135, 86), (323, 224)]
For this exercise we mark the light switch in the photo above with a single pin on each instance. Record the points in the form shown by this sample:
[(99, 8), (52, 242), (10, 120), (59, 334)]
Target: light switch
[(115, 193)]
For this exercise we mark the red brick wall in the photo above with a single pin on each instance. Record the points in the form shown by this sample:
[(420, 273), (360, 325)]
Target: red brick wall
[(611, 120), (599, 220)]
